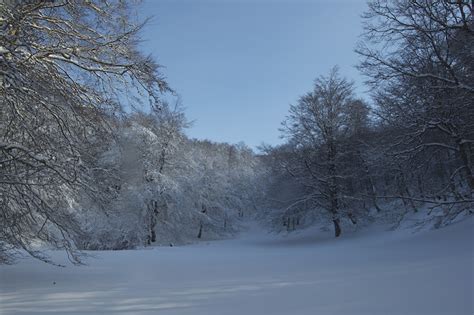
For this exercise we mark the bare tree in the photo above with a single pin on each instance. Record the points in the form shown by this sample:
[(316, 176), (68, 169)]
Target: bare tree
[(419, 58), (167, 124), (64, 66), (317, 128)]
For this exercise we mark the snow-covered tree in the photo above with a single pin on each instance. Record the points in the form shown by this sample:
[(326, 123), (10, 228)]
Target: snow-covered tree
[(418, 56), (65, 66), (318, 154)]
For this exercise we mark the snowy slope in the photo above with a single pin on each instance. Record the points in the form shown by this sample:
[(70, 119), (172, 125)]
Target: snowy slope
[(371, 272)]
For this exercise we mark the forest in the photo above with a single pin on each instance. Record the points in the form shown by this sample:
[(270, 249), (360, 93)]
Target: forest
[(109, 205), (94, 153)]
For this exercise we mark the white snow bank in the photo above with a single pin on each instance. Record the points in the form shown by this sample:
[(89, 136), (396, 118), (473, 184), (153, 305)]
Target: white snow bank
[(371, 272)]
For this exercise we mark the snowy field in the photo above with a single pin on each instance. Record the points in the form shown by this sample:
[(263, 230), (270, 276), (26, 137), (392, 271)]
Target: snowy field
[(373, 272)]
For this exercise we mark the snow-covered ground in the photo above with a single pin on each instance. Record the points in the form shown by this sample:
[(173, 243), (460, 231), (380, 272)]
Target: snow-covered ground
[(370, 272)]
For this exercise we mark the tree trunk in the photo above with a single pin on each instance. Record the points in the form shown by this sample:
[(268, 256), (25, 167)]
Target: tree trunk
[(372, 190), (200, 231), (403, 190), (352, 218), (333, 188), (337, 227), (153, 212), (465, 152)]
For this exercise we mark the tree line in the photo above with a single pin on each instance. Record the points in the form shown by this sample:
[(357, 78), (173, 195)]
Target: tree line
[(412, 147), (94, 155)]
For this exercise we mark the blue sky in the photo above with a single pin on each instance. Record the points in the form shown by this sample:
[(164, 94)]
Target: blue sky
[(238, 64)]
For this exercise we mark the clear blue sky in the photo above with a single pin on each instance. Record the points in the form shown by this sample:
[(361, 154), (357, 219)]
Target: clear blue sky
[(238, 64)]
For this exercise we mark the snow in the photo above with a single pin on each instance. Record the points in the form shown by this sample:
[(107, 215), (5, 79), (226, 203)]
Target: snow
[(368, 272)]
